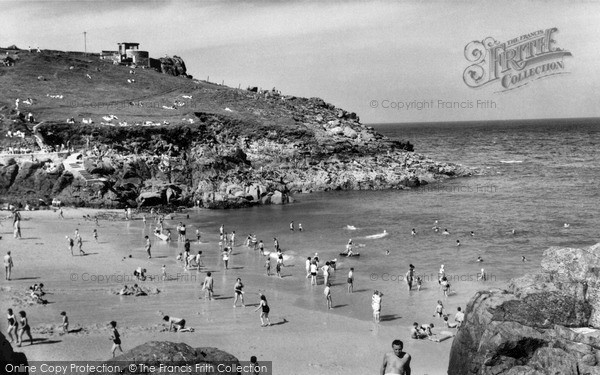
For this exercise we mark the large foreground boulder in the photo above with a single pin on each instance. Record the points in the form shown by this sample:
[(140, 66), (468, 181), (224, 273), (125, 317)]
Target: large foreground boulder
[(8, 356), (172, 358), (545, 323)]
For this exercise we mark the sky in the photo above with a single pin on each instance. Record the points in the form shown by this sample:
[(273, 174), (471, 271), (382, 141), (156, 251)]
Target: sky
[(388, 61)]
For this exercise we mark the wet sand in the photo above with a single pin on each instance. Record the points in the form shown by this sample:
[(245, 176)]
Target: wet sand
[(305, 338)]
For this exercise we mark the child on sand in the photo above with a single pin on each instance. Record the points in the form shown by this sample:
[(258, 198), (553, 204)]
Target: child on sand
[(419, 283), (65, 322), (264, 315), (439, 309), (327, 293), (116, 338)]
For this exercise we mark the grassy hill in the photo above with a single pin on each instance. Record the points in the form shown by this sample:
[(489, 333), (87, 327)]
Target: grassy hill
[(196, 140)]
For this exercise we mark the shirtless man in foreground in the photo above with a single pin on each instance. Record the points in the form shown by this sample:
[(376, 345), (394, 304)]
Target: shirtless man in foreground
[(396, 362)]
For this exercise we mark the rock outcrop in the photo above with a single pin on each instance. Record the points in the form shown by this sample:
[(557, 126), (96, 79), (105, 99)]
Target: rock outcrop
[(8, 356), (179, 142), (175, 358), (545, 323), (174, 66)]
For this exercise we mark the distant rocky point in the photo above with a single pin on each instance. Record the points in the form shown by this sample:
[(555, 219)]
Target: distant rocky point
[(100, 134), (544, 324)]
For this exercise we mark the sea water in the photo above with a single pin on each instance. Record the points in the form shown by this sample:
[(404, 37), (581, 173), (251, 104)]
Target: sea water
[(536, 176)]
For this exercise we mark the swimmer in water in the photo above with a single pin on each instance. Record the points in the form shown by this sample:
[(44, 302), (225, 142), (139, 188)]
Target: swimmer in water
[(446, 233), (514, 231), (387, 252), (479, 259), (566, 225), (523, 259), (472, 234), (413, 232), (457, 242)]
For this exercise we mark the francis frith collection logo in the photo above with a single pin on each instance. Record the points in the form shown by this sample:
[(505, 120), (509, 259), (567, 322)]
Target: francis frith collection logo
[(514, 63)]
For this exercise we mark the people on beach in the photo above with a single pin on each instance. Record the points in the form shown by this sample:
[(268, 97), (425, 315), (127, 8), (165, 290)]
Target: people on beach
[(445, 286), (24, 328), (459, 318), (275, 244), (163, 271), (327, 292), (264, 314), (176, 324), (71, 243), (441, 274), (148, 246), (80, 244), (325, 269), (278, 265), (308, 267), (261, 247), (396, 361), (95, 234), (65, 322), (226, 253), (447, 324), (198, 235), (410, 274), (60, 214), (439, 309), (116, 338), (16, 223), (238, 292), (482, 276), (8, 265), (13, 326), (207, 286), (376, 305), (351, 280), (416, 332), (313, 273), (268, 265)]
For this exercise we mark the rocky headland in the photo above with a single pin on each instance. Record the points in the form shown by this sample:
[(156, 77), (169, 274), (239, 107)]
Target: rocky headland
[(213, 145), (542, 324)]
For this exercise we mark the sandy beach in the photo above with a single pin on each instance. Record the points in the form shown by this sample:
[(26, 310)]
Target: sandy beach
[(305, 338)]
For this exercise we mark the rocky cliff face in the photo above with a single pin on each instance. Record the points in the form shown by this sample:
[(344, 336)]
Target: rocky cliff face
[(8, 356), (224, 161), (545, 323), (164, 140), (176, 358)]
